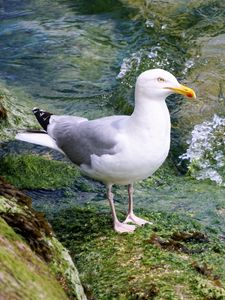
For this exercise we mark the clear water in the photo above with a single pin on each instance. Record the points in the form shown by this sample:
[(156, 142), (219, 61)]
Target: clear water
[(64, 54)]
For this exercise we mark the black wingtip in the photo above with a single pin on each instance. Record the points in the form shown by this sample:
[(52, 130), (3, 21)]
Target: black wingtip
[(43, 117)]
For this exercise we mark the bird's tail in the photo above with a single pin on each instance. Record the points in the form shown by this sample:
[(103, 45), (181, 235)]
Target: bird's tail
[(38, 138)]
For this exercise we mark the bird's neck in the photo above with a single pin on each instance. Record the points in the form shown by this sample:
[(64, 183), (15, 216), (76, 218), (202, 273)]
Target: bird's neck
[(152, 115)]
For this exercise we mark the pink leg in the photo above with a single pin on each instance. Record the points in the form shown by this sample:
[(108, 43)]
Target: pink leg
[(131, 218), (118, 226)]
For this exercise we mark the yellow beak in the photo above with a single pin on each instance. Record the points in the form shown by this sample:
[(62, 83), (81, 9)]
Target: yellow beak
[(183, 90)]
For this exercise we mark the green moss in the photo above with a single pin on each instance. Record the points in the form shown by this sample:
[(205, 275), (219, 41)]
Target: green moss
[(32, 171), (23, 274), (132, 266)]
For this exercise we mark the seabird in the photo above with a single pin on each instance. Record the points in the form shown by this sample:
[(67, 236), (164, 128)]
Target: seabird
[(117, 149)]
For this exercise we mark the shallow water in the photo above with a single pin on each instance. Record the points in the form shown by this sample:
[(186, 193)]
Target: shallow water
[(65, 55), (82, 58)]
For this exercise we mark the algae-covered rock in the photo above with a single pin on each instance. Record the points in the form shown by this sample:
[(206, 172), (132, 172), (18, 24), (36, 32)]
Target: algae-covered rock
[(31, 257), (23, 274)]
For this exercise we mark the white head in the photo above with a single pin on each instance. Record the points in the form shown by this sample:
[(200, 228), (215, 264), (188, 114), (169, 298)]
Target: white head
[(158, 84)]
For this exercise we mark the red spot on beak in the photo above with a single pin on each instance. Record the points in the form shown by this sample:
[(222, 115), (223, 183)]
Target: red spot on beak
[(190, 95)]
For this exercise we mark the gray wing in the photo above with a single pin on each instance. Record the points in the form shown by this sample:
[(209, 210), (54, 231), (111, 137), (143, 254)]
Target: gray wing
[(80, 138)]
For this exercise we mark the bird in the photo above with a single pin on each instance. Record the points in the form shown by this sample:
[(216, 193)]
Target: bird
[(118, 149)]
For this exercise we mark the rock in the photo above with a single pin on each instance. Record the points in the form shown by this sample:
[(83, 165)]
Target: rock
[(31, 258)]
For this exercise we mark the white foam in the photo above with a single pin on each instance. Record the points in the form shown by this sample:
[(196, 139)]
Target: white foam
[(128, 63), (206, 151), (135, 60), (188, 65), (149, 24)]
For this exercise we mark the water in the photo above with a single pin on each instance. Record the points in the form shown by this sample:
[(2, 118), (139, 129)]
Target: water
[(82, 57), (64, 55)]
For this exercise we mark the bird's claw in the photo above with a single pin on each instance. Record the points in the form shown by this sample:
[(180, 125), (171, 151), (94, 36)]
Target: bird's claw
[(122, 228), (131, 218)]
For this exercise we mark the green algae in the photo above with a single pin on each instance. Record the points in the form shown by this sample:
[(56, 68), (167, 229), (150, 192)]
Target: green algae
[(116, 266), (33, 172)]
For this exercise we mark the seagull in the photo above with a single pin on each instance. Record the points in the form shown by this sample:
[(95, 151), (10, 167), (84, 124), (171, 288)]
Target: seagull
[(117, 149)]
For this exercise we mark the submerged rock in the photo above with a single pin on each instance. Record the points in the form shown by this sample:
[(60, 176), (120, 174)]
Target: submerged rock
[(31, 258)]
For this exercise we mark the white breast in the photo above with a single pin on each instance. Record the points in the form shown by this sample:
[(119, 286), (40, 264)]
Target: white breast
[(142, 146), (138, 157)]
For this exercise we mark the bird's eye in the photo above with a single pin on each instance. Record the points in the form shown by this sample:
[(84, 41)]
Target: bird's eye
[(160, 79)]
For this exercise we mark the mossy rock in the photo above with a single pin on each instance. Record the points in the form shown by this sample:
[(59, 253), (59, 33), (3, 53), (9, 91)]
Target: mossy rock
[(31, 258), (23, 274)]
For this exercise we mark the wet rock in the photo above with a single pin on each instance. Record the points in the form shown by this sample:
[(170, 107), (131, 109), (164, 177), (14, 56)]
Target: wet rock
[(31, 225), (116, 266), (37, 172), (215, 282)]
